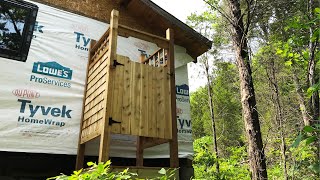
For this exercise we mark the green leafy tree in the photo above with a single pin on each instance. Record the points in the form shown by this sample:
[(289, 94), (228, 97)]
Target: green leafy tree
[(233, 167)]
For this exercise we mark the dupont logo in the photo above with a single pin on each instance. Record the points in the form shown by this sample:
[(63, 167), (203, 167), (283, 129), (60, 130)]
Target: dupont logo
[(26, 93), (52, 69), (179, 111)]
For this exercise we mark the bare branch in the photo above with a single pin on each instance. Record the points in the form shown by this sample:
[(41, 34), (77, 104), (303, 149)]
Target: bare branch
[(221, 12)]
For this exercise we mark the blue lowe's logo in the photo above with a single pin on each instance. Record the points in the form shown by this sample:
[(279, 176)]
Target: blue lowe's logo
[(182, 90), (52, 69)]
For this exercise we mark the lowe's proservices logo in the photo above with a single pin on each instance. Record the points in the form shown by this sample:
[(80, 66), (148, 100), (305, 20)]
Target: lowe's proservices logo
[(183, 90), (52, 69)]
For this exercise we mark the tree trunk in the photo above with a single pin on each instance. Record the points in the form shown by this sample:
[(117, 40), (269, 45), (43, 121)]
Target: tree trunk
[(314, 101), (303, 108), (250, 113), (312, 75), (6, 10), (214, 133), (279, 115)]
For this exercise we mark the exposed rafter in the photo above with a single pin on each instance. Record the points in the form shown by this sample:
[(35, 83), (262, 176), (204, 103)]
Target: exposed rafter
[(123, 3)]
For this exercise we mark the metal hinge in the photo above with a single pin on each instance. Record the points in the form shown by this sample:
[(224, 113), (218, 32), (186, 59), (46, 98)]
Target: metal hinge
[(111, 121), (170, 74), (116, 63)]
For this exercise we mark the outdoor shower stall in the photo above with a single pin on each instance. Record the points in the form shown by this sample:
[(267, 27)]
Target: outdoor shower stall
[(130, 98)]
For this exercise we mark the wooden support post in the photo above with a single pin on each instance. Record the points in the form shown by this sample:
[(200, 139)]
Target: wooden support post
[(105, 133), (174, 159), (80, 156), (142, 58), (139, 154), (81, 147), (140, 139), (149, 142)]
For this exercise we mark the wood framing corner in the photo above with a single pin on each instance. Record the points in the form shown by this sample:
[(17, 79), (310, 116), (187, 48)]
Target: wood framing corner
[(174, 159), (112, 55), (81, 147)]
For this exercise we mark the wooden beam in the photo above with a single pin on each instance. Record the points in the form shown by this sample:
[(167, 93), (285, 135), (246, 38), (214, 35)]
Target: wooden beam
[(130, 32), (142, 58), (151, 142), (80, 156), (174, 159), (98, 44), (81, 146), (90, 137), (139, 153), (123, 3), (194, 57), (146, 60), (105, 134)]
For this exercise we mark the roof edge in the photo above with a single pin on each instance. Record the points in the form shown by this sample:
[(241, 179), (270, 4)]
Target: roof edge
[(172, 19)]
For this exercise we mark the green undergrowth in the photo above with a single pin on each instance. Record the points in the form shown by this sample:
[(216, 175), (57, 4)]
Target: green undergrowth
[(102, 171)]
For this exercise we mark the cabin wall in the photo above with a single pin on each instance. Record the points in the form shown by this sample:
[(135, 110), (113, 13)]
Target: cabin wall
[(100, 10), (139, 16), (40, 111)]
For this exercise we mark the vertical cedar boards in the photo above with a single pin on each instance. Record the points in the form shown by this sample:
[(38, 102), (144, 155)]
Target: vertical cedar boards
[(141, 100)]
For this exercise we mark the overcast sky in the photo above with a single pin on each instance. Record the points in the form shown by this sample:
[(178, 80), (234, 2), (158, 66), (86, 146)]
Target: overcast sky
[(182, 9)]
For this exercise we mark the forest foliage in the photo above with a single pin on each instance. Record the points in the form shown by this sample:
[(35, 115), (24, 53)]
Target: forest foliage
[(284, 56)]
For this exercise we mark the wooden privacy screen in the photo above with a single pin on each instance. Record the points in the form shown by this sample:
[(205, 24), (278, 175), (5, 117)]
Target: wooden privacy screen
[(141, 100), (94, 112), (125, 97)]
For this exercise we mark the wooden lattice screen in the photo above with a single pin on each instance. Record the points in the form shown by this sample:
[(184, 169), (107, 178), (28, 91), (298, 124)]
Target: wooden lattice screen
[(94, 112)]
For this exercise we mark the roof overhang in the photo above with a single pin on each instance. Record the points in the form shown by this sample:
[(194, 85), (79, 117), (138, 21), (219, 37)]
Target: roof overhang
[(157, 19), (155, 16)]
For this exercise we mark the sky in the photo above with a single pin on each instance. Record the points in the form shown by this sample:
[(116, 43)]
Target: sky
[(181, 9)]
